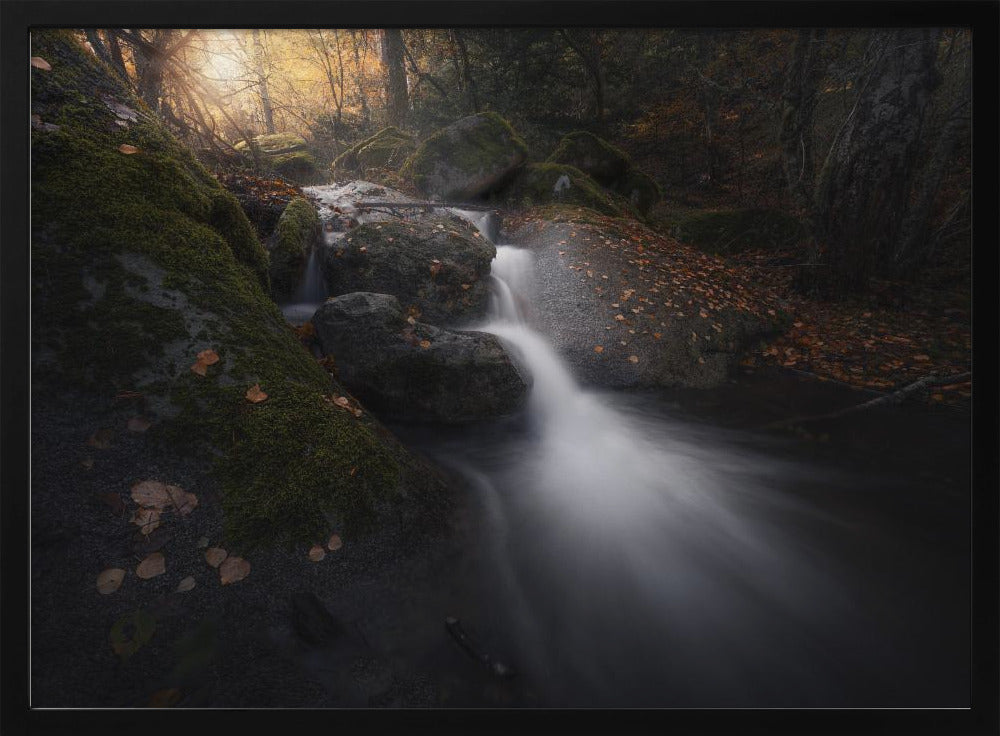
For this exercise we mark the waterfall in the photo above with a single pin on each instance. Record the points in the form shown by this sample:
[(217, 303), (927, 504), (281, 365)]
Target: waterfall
[(312, 288)]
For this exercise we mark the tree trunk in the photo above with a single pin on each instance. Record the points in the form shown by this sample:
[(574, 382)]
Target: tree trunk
[(864, 187), (397, 99), (590, 55), (259, 55), (470, 85), (799, 102)]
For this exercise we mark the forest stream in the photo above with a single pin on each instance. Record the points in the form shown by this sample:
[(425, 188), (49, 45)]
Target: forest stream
[(634, 549)]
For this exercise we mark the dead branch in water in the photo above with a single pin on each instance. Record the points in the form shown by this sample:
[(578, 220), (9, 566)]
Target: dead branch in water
[(895, 397), (423, 205)]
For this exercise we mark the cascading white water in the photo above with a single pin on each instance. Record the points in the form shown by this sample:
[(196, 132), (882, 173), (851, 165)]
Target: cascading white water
[(640, 560), (312, 288)]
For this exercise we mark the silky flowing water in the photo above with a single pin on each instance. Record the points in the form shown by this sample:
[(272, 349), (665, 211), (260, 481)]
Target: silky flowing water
[(627, 556)]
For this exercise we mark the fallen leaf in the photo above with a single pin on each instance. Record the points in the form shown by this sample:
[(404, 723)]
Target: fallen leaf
[(316, 553), (101, 439), (110, 580), (598, 348), (130, 632), (147, 519), (127, 149), (633, 359), (139, 424), (155, 564), (215, 556), (425, 344), (186, 584), (165, 698), (210, 357), (255, 395), (151, 493), (39, 63), (199, 368), (233, 570), (922, 358), (334, 543)]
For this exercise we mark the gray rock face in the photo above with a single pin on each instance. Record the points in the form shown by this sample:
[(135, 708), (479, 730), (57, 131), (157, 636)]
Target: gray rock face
[(416, 372), (436, 267)]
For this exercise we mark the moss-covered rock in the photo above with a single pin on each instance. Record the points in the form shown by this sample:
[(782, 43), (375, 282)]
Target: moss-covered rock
[(546, 183), (592, 155), (387, 149), (275, 143), (467, 159), (640, 190), (140, 260), (730, 231), (288, 156), (436, 267), (293, 237)]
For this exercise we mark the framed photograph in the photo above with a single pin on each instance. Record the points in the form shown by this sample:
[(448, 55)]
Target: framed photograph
[(510, 366)]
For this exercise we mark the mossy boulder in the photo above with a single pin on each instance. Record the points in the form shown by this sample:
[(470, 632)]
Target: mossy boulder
[(731, 231), (436, 267), (387, 149), (547, 183), (140, 261), (295, 234), (287, 155), (639, 189), (467, 159), (592, 155), (416, 372)]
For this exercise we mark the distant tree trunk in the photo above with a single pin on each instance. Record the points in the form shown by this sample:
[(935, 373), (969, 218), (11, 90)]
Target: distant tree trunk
[(589, 51), (470, 85), (149, 58), (864, 187), (799, 102), (259, 56), (397, 99), (358, 83), (710, 108)]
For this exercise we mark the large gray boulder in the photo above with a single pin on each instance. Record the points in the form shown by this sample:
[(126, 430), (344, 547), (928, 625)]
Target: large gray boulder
[(437, 267), (592, 155), (414, 371), (467, 159)]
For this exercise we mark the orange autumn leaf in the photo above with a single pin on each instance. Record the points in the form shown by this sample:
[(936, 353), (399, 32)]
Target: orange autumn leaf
[(208, 357), (215, 556), (39, 63), (151, 493), (199, 368), (255, 395), (155, 564), (316, 553), (598, 349), (128, 149), (233, 570), (425, 344), (110, 580), (334, 543)]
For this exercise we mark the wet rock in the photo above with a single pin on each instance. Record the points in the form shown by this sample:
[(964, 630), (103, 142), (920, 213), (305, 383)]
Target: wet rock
[(592, 155), (294, 235), (415, 371), (550, 183), (436, 267), (387, 149)]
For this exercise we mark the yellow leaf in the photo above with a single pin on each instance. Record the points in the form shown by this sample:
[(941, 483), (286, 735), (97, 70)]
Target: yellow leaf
[(127, 149), (214, 556), (233, 570), (255, 395), (39, 63), (316, 553), (155, 564), (110, 580)]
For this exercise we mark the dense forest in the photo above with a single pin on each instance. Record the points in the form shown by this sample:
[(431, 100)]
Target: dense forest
[(500, 367)]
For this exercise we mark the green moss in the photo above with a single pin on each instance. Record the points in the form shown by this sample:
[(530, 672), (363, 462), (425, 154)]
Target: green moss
[(273, 142), (592, 155), (139, 262), (536, 185), (386, 149), (470, 147), (297, 166), (293, 236), (730, 231)]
